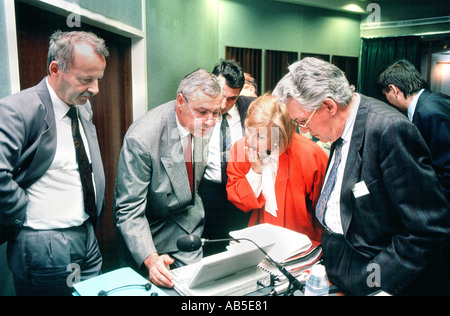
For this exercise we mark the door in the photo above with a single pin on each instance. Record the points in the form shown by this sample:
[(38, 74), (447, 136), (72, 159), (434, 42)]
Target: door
[(111, 107)]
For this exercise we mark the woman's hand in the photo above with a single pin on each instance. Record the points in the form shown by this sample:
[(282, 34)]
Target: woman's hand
[(253, 157)]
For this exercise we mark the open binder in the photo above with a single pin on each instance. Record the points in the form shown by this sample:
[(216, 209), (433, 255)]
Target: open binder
[(293, 250)]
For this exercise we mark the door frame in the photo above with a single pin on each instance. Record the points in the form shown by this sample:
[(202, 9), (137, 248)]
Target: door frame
[(61, 7)]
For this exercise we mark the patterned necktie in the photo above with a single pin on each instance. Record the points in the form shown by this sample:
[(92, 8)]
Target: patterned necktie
[(329, 185), (189, 164), (84, 167), (226, 146)]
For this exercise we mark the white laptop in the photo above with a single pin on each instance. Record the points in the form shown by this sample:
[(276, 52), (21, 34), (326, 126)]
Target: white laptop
[(238, 258)]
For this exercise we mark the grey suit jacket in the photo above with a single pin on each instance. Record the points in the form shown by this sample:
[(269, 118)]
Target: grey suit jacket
[(152, 199), (28, 146), (404, 218)]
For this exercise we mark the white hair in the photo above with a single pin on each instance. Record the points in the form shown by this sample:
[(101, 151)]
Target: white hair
[(310, 81)]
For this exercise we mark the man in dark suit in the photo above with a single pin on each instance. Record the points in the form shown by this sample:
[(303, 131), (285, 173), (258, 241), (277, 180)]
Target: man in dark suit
[(383, 209), (52, 181), (221, 216), (405, 89)]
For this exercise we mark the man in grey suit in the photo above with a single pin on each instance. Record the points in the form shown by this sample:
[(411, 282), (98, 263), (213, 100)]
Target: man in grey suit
[(384, 211), (162, 161), (51, 174)]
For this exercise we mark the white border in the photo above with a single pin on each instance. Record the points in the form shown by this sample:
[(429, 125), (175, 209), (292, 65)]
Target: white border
[(11, 43)]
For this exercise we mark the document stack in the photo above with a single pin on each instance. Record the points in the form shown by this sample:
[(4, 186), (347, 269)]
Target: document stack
[(294, 251)]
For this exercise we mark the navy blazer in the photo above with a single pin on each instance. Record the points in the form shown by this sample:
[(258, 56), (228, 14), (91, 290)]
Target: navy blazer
[(28, 146), (432, 118), (404, 217)]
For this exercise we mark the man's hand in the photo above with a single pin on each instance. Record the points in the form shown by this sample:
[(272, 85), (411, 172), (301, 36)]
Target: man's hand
[(158, 268)]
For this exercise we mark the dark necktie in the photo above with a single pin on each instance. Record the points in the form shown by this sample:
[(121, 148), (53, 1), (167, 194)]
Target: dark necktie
[(84, 167), (226, 146), (329, 185), (189, 164)]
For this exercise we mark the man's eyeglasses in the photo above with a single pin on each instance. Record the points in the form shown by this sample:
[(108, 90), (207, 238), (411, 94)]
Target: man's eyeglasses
[(214, 118), (305, 126)]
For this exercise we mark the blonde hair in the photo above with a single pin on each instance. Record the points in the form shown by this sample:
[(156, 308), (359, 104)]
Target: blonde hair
[(268, 112)]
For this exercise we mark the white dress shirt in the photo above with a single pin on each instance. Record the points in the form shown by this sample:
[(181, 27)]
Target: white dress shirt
[(213, 170), (56, 199), (184, 133), (333, 210)]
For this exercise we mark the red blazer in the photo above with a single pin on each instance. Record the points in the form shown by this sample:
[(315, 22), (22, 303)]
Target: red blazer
[(300, 176)]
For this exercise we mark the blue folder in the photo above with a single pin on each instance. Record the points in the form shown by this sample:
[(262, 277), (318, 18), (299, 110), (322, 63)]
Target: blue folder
[(121, 282)]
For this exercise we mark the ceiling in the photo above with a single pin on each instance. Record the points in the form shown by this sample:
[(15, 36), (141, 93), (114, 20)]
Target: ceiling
[(354, 6)]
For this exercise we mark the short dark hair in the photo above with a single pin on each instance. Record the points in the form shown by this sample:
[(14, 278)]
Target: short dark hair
[(404, 76), (232, 72)]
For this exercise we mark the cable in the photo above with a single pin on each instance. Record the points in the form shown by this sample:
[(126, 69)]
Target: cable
[(146, 286)]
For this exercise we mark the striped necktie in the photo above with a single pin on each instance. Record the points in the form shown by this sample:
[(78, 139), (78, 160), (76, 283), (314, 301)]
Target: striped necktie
[(226, 146), (329, 185), (84, 167)]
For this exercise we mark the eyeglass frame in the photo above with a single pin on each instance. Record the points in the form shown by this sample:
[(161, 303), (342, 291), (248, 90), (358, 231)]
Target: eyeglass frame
[(204, 120), (305, 126)]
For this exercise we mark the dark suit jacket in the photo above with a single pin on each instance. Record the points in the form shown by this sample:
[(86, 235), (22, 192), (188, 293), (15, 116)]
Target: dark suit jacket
[(28, 146), (404, 218), (432, 118), (221, 216), (242, 104)]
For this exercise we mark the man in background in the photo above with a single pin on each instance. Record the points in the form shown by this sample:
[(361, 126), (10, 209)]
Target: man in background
[(221, 216), (405, 89), (250, 88)]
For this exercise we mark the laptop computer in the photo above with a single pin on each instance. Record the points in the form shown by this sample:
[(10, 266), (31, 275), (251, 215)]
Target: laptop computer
[(216, 268)]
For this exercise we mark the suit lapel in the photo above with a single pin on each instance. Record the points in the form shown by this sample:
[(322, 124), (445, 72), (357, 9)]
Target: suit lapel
[(46, 143), (352, 171), (425, 95), (173, 159), (94, 151)]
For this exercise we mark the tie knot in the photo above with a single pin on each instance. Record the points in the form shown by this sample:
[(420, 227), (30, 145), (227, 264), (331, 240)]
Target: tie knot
[(72, 113), (339, 142)]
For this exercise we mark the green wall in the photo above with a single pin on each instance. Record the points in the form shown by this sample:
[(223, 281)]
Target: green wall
[(267, 24), (271, 25), (182, 35)]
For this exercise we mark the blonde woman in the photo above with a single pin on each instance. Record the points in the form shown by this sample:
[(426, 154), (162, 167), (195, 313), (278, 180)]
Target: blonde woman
[(276, 173)]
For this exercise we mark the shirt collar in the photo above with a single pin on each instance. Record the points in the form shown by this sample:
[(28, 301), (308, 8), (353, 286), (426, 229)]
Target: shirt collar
[(413, 104), (348, 128), (181, 129), (232, 112), (59, 106)]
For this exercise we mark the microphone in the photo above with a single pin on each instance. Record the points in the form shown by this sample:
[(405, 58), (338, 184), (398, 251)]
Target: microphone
[(190, 243)]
